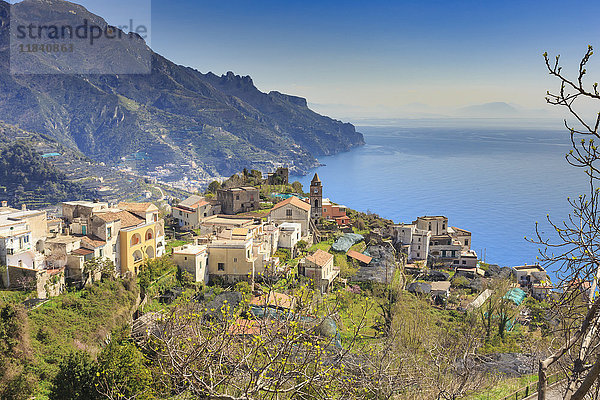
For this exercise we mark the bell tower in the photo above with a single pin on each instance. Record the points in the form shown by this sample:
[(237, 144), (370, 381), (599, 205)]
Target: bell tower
[(316, 198)]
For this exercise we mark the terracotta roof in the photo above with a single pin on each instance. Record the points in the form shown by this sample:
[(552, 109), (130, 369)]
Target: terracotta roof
[(273, 299), (127, 218), (253, 327), (293, 201), (245, 327), (139, 207), (320, 257), (82, 252), (92, 242), (460, 230), (55, 271), (359, 256)]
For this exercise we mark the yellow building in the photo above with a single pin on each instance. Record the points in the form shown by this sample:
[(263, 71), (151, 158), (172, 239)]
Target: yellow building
[(231, 260), (137, 244)]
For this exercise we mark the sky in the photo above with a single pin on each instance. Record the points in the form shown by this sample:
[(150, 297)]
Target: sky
[(375, 58)]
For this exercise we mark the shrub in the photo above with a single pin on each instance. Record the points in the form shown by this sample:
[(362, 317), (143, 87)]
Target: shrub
[(75, 379)]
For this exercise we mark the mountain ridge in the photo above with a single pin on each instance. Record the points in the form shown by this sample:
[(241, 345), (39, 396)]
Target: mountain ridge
[(176, 114)]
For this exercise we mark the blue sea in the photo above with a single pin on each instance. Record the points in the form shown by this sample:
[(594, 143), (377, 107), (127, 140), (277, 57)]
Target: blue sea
[(494, 182)]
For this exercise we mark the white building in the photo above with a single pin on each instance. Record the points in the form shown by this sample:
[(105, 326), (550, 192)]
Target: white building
[(415, 241), (289, 235), (193, 259)]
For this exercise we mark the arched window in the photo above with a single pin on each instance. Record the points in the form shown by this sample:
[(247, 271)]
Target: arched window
[(149, 234), (316, 203), (137, 256), (136, 239), (150, 252)]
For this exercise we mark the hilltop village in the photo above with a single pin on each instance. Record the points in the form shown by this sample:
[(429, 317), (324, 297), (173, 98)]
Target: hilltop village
[(245, 233), (252, 256)]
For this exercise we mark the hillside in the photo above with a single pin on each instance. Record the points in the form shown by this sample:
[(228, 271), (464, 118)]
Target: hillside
[(174, 115), (27, 178)]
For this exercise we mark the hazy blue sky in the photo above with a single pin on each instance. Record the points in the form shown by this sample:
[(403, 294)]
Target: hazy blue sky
[(377, 56)]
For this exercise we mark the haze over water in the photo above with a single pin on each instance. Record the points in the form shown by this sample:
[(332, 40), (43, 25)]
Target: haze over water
[(493, 182)]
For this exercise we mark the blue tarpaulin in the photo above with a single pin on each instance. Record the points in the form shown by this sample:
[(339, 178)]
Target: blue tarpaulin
[(346, 241), (516, 295)]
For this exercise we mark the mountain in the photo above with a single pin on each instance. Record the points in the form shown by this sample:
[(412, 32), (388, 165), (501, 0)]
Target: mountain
[(175, 117), (489, 110)]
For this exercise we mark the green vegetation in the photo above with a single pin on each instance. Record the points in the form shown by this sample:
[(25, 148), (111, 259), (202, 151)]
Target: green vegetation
[(35, 343), (503, 388), (171, 244), (29, 179)]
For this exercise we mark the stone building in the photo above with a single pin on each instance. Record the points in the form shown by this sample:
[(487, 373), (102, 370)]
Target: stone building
[(238, 200), (279, 177)]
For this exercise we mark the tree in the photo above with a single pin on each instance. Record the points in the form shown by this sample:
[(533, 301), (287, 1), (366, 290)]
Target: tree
[(75, 379), (575, 247), (302, 245), (214, 186), (103, 266), (297, 187), (295, 355), (122, 373)]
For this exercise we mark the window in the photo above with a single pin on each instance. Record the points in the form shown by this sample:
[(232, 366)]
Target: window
[(114, 248), (109, 232), (316, 203), (288, 212), (466, 242), (101, 253), (464, 262), (135, 239), (185, 258), (234, 259), (419, 240), (221, 266), (419, 247), (443, 226), (237, 197), (418, 255)]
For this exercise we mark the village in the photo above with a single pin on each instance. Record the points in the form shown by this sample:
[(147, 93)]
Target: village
[(242, 234)]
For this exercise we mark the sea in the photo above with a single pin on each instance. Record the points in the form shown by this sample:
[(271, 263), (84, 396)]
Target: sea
[(495, 182)]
